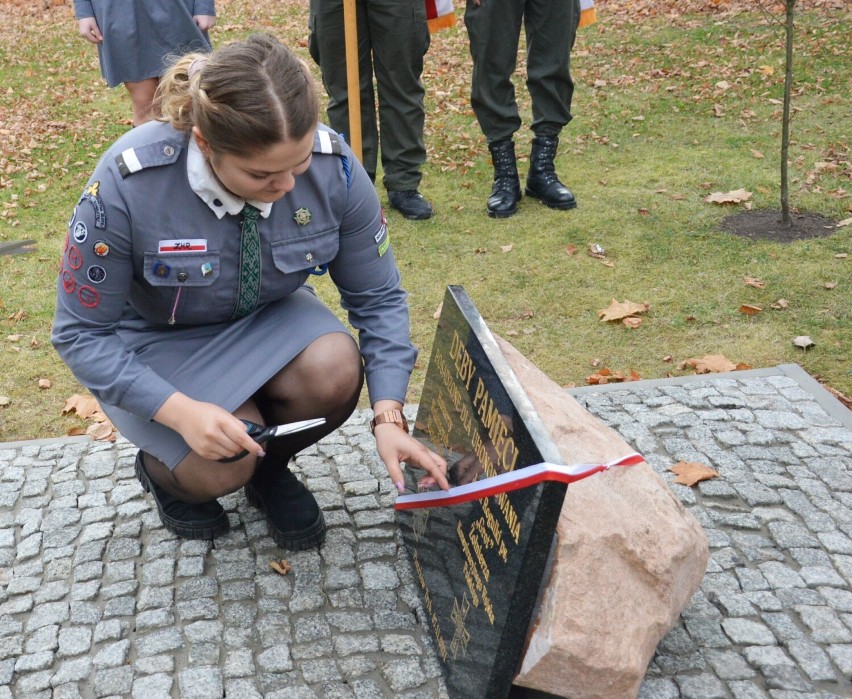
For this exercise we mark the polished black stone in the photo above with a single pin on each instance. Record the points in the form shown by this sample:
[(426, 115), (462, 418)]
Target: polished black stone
[(480, 565)]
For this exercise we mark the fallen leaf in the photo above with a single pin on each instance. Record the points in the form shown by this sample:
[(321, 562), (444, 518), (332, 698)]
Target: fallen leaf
[(632, 322), (780, 304), (709, 364), (617, 311), (84, 406), (506, 248), (830, 285), (842, 255), (595, 363), (4, 401), (44, 383), (102, 431), (597, 251), (756, 283), (18, 315), (845, 222), (757, 154), (766, 70), (691, 472), (667, 358), (736, 196), (750, 310), (571, 249), (13, 338), (281, 567), (804, 342), (480, 251), (437, 313), (76, 432)]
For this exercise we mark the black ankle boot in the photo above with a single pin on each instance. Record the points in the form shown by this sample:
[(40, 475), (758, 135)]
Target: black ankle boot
[(204, 520), (506, 192), (542, 182), (296, 522)]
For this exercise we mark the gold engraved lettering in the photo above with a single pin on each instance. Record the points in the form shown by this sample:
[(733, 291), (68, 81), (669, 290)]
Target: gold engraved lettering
[(492, 421), (474, 582), (462, 360), (510, 516), (433, 617), (480, 557)]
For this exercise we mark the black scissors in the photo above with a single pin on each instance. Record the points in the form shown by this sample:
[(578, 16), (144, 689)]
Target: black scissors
[(17, 247), (261, 434)]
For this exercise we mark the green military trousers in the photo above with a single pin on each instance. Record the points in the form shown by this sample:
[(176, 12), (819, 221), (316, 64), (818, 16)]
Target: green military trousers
[(393, 38), (494, 28)]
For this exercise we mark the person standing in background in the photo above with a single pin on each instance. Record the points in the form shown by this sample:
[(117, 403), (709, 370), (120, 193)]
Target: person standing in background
[(393, 38), (134, 38), (494, 28)]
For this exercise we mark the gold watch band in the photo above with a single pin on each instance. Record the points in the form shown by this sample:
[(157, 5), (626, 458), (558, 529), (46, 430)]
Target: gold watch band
[(394, 416)]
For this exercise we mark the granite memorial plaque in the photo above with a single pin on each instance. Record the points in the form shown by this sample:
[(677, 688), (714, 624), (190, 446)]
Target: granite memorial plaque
[(479, 564)]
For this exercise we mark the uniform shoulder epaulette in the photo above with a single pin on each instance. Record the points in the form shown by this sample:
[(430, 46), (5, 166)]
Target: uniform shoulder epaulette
[(150, 155), (327, 142)]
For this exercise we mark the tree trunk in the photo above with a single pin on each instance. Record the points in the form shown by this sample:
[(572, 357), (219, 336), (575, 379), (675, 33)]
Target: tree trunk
[(785, 119)]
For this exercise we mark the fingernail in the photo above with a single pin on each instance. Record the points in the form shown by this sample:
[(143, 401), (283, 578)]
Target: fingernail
[(400, 486), (261, 453)]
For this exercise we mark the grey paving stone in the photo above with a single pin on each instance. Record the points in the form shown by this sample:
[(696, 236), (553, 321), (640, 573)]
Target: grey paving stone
[(201, 683)]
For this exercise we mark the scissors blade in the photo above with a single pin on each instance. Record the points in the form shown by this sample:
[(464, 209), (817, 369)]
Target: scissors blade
[(292, 427)]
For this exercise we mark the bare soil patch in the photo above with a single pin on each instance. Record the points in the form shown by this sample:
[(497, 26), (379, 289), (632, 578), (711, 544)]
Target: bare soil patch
[(767, 225)]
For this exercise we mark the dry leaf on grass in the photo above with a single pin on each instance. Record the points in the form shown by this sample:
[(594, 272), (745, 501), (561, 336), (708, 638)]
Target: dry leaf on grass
[(737, 196), (506, 248), (571, 249), (85, 406), (4, 401), (780, 304), (624, 309), (605, 376), (691, 472), (102, 431), (709, 364), (830, 285), (756, 283), (437, 313), (845, 222), (750, 310), (803, 341), (44, 383), (632, 322)]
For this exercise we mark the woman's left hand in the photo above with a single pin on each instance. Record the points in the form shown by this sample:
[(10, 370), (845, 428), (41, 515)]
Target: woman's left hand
[(204, 22), (396, 445)]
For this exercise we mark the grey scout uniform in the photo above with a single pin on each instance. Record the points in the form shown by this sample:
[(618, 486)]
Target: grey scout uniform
[(141, 35), (151, 270), (393, 38), (494, 28)]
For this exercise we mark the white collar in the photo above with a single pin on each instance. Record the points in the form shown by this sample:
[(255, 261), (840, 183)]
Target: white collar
[(205, 185)]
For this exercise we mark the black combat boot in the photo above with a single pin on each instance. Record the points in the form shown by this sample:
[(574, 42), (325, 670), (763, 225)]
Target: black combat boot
[(296, 522), (542, 182), (506, 192)]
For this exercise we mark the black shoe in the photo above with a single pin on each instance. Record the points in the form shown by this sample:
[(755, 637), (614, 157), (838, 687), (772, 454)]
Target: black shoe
[(295, 520), (506, 192), (204, 520), (411, 204), (542, 182)]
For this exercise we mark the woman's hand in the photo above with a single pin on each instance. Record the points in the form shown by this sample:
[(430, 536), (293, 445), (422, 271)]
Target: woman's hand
[(204, 22), (396, 445), (210, 431), (90, 30)]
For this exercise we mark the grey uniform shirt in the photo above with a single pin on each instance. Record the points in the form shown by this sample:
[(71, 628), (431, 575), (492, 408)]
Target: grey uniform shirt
[(150, 261)]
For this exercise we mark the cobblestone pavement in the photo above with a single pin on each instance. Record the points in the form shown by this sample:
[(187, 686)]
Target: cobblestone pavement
[(98, 600)]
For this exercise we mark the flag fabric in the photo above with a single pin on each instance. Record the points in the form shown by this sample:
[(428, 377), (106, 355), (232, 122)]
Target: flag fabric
[(439, 15), (588, 14)]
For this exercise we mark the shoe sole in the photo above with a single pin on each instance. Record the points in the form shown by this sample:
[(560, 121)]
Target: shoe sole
[(561, 207), (210, 530), (502, 214), (300, 540)]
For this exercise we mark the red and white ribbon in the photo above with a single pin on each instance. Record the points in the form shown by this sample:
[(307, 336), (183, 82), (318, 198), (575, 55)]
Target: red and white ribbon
[(511, 480)]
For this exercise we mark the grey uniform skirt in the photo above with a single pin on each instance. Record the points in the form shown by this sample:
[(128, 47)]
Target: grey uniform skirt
[(140, 37), (224, 364)]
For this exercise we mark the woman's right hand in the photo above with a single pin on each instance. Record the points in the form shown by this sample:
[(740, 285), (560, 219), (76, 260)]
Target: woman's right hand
[(210, 431), (90, 30)]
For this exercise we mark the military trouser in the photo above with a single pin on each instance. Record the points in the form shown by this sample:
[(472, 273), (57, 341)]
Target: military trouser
[(393, 38), (494, 28)]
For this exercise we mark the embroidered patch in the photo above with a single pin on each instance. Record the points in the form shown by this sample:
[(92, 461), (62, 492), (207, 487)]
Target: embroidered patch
[(303, 216), (81, 232), (384, 245), (183, 245), (92, 195), (88, 296), (75, 259), (96, 274), (101, 248), (68, 282)]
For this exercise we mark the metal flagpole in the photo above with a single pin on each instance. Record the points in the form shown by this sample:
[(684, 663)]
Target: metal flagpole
[(350, 28)]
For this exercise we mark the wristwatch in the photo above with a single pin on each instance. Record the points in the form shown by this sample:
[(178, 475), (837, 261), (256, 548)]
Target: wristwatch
[(394, 416)]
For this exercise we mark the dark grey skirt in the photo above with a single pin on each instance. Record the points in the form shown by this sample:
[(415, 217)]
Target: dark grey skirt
[(224, 364), (141, 36)]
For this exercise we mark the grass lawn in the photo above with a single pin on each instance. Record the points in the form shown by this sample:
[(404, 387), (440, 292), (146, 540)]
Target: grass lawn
[(670, 106)]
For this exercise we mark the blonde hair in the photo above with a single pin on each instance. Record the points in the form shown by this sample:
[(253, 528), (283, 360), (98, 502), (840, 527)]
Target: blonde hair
[(243, 97)]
